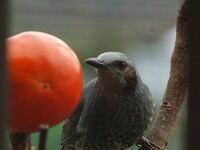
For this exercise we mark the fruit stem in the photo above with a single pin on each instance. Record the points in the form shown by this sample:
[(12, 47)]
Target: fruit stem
[(43, 136)]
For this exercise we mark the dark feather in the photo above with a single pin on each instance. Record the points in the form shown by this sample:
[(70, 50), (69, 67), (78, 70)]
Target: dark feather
[(69, 133), (115, 109)]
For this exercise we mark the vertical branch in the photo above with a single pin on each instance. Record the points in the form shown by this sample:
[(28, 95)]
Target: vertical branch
[(43, 136), (3, 79), (177, 86), (29, 142)]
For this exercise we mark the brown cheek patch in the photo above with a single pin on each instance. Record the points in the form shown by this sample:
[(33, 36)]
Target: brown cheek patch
[(130, 73)]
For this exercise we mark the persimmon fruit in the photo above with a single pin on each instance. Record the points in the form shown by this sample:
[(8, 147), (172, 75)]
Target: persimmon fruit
[(45, 80)]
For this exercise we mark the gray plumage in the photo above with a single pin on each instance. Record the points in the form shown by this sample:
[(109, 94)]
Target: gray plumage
[(115, 108)]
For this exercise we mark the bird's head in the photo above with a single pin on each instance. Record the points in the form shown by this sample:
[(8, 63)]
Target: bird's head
[(115, 66)]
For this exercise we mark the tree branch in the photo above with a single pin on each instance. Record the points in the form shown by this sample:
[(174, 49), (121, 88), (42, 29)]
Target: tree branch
[(178, 82), (18, 140)]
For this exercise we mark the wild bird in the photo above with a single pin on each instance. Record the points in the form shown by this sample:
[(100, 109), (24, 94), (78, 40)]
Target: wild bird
[(115, 109)]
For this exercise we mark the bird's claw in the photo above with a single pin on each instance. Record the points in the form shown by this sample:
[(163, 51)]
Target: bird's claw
[(147, 144)]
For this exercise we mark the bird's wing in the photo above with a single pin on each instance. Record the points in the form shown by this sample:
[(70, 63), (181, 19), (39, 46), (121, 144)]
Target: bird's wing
[(69, 133)]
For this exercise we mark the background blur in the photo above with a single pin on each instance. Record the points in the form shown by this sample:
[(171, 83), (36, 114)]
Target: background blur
[(142, 29)]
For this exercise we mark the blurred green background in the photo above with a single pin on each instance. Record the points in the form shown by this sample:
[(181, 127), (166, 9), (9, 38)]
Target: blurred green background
[(144, 30)]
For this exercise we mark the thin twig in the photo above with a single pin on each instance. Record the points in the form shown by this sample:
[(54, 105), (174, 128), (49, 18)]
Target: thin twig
[(29, 142), (43, 136)]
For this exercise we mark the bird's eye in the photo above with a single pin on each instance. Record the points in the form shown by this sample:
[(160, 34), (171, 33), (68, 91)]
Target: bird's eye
[(121, 64), (100, 60)]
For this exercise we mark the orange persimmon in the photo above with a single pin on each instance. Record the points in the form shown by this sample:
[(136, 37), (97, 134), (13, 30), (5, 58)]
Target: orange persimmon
[(45, 80)]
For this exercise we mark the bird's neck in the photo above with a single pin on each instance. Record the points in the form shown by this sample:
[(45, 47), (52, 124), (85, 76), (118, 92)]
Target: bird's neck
[(108, 83), (116, 86)]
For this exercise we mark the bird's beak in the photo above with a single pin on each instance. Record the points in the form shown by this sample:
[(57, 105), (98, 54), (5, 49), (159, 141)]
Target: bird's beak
[(96, 63)]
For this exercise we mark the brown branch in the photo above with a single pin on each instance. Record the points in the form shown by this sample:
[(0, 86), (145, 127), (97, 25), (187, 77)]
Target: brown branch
[(178, 82), (18, 140), (22, 141)]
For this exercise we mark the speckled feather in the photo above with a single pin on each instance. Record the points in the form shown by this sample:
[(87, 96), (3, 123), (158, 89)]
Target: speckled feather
[(110, 116)]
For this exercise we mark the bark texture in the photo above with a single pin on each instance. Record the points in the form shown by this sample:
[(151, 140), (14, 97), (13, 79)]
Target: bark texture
[(177, 86)]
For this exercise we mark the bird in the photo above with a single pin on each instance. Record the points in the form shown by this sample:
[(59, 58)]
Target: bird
[(115, 110)]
